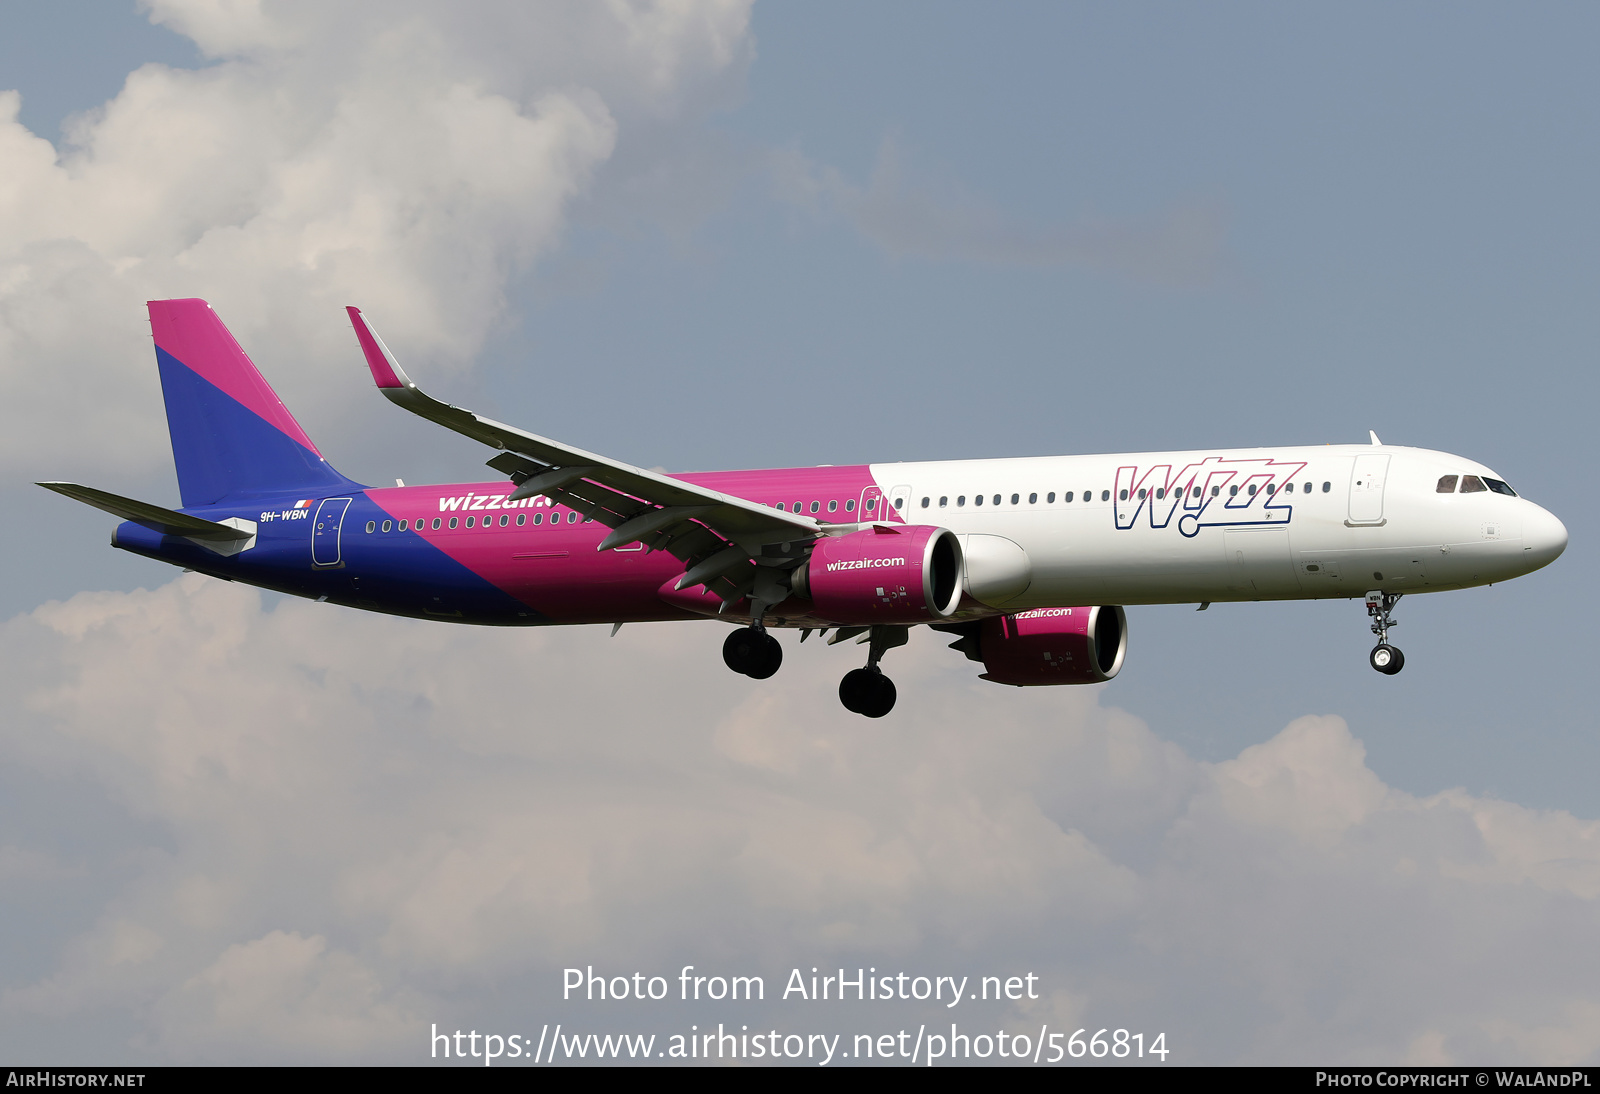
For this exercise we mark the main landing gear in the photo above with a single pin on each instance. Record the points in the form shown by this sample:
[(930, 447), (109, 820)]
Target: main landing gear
[(867, 690), (752, 651), (1385, 658)]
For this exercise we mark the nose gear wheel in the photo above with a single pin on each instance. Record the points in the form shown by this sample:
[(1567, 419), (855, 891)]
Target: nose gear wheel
[(1385, 658)]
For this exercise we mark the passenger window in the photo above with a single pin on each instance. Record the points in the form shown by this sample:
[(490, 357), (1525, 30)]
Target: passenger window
[(470, 520), (1033, 499), (1233, 491), (522, 518), (1271, 488), (997, 499), (572, 518), (833, 506), (538, 519), (1015, 499), (1123, 496), (1305, 488), (899, 503), (452, 522), (1471, 484), (1326, 487), (977, 499), (1447, 484), (872, 504), (850, 505), (1051, 497), (1499, 487), (435, 524), (780, 507), (1196, 492), (1215, 490), (372, 525), (1105, 495), (1252, 490), (504, 520), (961, 499), (944, 500), (388, 526), (798, 507), (925, 502), (1141, 495), (402, 526), (816, 506), (1067, 497)]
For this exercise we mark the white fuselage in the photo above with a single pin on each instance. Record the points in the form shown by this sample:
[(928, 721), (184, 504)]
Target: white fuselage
[(1243, 524)]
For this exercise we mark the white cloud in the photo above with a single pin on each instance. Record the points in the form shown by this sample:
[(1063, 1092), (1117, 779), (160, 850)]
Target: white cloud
[(282, 994), (346, 827), (407, 157)]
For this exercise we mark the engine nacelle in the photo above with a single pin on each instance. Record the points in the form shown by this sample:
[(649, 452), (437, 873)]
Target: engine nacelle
[(1054, 646), (887, 574)]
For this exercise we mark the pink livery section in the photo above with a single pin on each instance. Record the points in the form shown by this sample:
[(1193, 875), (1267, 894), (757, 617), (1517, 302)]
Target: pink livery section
[(885, 574), (232, 437), (190, 332), (1080, 645)]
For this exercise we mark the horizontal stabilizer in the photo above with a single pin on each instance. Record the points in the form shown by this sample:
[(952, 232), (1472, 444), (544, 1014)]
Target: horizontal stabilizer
[(153, 517)]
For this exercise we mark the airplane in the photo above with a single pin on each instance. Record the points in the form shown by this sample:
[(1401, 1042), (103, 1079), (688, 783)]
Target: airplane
[(1027, 562)]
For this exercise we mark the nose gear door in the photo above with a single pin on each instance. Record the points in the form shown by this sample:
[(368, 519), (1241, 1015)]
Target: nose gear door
[(325, 532)]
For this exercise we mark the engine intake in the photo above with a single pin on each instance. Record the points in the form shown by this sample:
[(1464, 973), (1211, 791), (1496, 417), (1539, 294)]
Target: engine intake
[(1054, 646), (899, 574)]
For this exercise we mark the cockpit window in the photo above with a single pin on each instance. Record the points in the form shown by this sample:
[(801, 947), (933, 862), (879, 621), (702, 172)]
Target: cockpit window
[(1499, 487), (1447, 484), (1471, 484)]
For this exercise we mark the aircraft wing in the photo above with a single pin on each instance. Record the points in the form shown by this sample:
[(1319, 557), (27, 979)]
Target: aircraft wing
[(716, 535)]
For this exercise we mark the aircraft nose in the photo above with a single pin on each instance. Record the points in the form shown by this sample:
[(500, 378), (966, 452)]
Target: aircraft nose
[(1543, 537)]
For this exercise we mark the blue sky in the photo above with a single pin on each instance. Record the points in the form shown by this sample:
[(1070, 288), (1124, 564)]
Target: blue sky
[(844, 233)]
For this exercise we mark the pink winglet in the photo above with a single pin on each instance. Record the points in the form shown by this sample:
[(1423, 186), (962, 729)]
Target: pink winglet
[(190, 332), (384, 370)]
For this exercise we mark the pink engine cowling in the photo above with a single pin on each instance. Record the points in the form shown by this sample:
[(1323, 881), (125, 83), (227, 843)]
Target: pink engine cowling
[(886, 574), (1054, 646)]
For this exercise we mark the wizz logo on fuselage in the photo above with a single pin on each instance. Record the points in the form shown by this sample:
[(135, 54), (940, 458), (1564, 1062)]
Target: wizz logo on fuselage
[(1212, 493)]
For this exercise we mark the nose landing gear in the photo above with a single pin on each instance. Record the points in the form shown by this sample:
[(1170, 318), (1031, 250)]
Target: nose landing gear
[(753, 652), (868, 691), (1385, 658)]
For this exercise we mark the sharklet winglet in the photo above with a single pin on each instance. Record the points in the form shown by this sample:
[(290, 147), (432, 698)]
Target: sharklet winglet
[(386, 371)]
